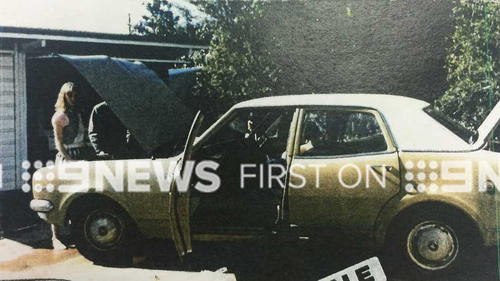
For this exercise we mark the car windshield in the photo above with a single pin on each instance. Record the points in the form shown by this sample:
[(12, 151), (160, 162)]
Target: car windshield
[(458, 129)]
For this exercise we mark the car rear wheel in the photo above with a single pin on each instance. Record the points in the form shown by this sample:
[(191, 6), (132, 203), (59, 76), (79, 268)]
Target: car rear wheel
[(102, 231), (432, 244)]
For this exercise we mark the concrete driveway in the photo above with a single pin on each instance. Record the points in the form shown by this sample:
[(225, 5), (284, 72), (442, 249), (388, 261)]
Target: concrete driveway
[(28, 255)]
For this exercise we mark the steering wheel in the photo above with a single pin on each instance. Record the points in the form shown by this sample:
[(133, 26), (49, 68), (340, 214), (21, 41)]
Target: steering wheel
[(262, 141), (264, 146)]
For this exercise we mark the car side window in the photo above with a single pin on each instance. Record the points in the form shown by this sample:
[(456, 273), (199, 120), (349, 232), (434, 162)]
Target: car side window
[(332, 133)]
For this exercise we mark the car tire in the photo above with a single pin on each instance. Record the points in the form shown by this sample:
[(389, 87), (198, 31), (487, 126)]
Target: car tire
[(434, 245), (102, 231)]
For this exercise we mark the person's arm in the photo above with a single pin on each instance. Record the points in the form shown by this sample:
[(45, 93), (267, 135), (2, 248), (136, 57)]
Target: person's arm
[(58, 137), (94, 133)]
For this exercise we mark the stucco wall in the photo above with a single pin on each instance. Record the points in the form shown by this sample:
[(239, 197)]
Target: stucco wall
[(389, 46)]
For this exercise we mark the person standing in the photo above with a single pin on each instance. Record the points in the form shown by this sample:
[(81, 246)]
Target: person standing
[(110, 138), (107, 133), (69, 135), (69, 132)]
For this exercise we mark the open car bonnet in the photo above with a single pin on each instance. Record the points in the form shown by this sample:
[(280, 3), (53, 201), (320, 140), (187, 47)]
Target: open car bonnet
[(139, 98)]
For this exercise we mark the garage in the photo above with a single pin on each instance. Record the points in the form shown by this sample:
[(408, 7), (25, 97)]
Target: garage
[(31, 74)]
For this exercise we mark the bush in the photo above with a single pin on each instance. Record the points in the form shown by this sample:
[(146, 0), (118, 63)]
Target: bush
[(472, 62), (237, 65)]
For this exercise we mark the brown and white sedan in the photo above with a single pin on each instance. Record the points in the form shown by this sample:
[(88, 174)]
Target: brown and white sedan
[(374, 169)]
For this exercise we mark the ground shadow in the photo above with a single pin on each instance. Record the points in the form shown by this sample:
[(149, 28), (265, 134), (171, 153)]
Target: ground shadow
[(299, 260), (39, 236)]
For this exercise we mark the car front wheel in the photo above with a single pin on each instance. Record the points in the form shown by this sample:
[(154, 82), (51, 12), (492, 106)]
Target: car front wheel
[(102, 232)]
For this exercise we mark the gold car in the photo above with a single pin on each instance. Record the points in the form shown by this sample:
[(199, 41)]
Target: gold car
[(376, 169)]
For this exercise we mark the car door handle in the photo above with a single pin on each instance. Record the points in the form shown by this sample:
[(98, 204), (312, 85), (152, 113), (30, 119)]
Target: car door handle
[(387, 168)]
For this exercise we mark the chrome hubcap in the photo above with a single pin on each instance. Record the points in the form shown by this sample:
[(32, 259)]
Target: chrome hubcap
[(432, 245), (103, 229)]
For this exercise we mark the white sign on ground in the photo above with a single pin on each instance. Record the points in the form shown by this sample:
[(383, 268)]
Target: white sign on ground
[(368, 270)]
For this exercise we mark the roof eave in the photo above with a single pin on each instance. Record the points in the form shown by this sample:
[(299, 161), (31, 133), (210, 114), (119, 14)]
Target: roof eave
[(97, 40)]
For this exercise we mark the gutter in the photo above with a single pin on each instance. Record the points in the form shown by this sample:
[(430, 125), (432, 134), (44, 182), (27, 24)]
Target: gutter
[(97, 40)]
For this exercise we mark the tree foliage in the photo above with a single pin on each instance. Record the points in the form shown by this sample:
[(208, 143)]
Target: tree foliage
[(473, 63), (164, 20), (237, 65)]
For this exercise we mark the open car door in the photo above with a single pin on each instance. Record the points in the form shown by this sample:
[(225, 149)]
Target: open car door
[(179, 201)]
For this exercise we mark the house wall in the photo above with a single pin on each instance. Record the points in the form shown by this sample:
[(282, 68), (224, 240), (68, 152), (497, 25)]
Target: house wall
[(13, 135), (389, 46)]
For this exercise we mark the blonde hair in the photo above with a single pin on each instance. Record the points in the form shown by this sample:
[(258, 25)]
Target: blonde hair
[(61, 103)]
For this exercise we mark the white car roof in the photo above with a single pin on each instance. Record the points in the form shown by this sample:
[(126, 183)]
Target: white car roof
[(411, 127), (376, 101)]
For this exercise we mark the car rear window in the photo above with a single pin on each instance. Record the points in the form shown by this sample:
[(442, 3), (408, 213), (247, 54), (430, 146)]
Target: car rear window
[(458, 129)]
